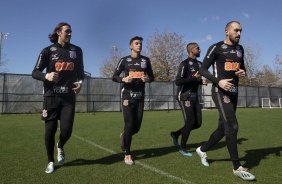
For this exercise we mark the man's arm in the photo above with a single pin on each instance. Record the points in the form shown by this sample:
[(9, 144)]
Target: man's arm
[(41, 64), (80, 70), (149, 77), (117, 72), (208, 61), (181, 77)]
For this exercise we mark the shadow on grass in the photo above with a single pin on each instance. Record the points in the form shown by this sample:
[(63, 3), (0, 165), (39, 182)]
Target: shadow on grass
[(252, 158), (118, 157)]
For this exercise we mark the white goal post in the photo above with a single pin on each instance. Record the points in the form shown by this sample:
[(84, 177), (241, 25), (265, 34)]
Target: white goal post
[(280, 102), (265, 103)]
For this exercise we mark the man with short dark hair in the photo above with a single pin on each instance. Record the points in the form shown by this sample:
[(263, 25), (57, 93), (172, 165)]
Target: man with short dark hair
[(63, 62), (188, 79), (227, 59), (137, 71)]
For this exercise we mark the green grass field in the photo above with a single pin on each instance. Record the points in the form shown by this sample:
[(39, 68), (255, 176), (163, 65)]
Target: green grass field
[(93, 153)]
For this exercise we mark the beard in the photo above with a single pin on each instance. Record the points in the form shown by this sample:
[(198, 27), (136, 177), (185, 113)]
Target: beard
[(235, 40)]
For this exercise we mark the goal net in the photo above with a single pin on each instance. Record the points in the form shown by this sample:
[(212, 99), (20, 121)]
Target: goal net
[(265, 103)]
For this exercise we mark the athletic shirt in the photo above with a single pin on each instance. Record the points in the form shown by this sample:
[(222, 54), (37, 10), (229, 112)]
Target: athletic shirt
[(67, 61), (187, 84), (225, 59), (134, 67)]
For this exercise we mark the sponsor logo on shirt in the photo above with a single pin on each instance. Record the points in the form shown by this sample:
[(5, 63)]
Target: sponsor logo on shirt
[(135, 94), (136, 74), (61, 65), (54, 56), (233, 89), (53, 48), (231, 66), (60, 89), (224, 46), (128, 59)]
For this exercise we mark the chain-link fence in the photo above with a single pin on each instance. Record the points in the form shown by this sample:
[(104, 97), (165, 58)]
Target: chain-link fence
[(22, 94)]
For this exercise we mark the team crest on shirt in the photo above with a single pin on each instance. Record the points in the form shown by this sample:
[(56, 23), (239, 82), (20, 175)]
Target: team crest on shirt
[(72, 54), (190, 63), (187, 103), (226, 99), (239, 53), (143, 64), (44, 113)]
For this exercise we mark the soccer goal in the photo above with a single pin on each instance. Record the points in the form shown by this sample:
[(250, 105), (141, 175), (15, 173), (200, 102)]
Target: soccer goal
[(280, 102), (265, 103)]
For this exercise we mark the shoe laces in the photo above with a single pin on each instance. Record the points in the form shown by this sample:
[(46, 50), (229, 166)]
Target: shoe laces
[(61, 151)]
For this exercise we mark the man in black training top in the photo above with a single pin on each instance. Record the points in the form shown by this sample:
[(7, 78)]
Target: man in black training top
[(227, 59), (137, 71), (64, 74), (188, 79)]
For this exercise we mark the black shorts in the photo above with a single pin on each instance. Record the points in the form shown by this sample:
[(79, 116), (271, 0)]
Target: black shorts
[(57, 107)]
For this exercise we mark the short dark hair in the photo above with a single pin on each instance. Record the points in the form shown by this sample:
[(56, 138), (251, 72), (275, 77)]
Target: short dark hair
[(135, 38), (190, 45), (54, 36), (229, 24)]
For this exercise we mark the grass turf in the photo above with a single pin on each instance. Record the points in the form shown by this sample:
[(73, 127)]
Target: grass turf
[(93, 153)]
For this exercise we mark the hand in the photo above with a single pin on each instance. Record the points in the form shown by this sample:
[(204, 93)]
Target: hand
[(77, 88), (197, 75), (240, 73), (53, 76), (225, 84), (145, 78), (127, 79), (204, 81)]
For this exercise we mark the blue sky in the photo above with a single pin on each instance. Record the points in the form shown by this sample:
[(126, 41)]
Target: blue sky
[(100, 24)]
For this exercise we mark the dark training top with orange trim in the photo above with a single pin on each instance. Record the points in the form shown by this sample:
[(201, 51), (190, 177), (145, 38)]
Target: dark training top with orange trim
[(67, 62)]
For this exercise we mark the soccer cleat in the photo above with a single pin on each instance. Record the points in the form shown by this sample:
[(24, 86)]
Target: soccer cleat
[(128, 160), (203, 156), (185, 152), (244, 173), (122, 142), (174, 139), (61, 155), (50, 168)]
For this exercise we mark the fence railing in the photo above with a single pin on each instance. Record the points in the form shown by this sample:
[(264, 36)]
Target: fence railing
[(20, 93)]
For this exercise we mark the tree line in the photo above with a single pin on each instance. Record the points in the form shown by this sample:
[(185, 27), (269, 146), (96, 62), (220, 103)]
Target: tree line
[(167, 49)]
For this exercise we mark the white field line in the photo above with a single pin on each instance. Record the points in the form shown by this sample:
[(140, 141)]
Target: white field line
[(146, 166)]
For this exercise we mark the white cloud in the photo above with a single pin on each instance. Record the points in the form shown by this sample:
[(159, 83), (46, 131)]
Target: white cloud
[(204, 20), (207, 38), (246, 15), (215, 18)]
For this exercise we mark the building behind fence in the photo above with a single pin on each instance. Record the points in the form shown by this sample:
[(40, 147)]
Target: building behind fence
[(21, 93)]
